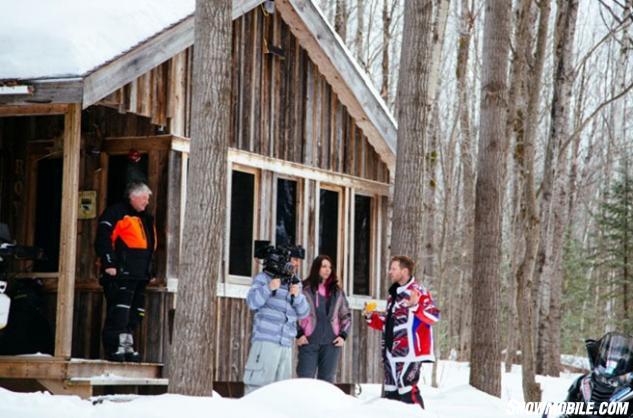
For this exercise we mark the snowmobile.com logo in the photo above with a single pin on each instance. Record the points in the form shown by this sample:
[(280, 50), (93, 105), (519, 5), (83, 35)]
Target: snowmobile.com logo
[(554, 409)]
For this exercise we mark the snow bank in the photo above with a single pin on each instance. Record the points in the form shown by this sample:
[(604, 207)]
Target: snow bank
[(288, 399), (65, 38), (305, 398), (455, 398)]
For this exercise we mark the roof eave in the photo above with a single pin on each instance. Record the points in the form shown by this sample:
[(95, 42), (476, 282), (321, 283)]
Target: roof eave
[(47, 91), (340, 69)]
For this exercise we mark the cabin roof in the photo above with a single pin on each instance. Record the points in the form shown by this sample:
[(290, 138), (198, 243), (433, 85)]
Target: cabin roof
[(69, 38), (77, 51)]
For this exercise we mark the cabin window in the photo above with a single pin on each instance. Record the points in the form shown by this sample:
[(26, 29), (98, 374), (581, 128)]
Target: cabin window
[(329, 224), (362, 245), (241, 224), (286, 222)]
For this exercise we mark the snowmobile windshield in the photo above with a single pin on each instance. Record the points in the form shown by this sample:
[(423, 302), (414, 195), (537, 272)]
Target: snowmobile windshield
[(615, 356)]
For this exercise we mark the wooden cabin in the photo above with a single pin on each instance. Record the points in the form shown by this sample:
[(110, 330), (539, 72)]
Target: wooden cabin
[(311, 155)]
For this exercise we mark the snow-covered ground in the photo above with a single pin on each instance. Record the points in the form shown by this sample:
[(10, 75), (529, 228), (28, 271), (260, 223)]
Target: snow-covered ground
[(456, 398), (299, 398)]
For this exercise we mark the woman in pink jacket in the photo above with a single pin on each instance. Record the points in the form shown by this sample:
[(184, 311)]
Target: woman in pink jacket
[(322, 334)]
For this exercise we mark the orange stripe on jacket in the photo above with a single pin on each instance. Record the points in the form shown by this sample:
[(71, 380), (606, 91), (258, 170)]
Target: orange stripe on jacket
[(131, 231)]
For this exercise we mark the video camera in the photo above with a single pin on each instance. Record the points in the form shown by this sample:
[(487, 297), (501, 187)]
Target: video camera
[(276, 260)]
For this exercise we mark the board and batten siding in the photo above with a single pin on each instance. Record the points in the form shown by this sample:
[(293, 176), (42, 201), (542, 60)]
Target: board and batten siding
[(282, 106), (283, 110)]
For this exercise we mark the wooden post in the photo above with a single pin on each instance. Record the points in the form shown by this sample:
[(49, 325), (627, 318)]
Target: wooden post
[(174, 199), (68, 231)]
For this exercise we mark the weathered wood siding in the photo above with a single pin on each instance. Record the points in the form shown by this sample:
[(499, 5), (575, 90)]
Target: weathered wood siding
[(282, 108), (360, 359)]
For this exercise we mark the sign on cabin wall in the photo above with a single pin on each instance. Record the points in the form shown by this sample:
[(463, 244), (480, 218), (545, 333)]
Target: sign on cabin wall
[(87, 204)]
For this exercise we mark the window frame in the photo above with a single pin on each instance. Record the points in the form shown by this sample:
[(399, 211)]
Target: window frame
[(299, 202), (341, 264), (234, 278), (374, 247), (311, 180)]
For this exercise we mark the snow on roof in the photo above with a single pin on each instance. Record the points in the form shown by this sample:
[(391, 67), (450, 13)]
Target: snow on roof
[(68, 38)]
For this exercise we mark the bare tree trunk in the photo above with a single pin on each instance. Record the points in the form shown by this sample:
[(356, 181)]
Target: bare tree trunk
[(340, 19), (416, 91), (468, 178), (328, 9), (563, 68), (525, 154), (517, 109), (360, 28), (549, 326), (433, 152), (386, 41), (193, 359), (485, 371), (621, 133), (516, 253), (429, 262)]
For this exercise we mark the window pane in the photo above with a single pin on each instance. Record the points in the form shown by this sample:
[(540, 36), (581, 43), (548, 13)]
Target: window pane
[(362, 244), (328, 224), (286, 228), (241, 232)]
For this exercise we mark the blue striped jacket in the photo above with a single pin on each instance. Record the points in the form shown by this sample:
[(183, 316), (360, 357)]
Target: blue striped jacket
[(275, 317)]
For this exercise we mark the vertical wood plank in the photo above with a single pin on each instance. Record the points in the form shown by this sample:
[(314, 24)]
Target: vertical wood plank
[(68, 231), (308, 147), (177, 93), (235, 82), (243, 84), (268, 117), (340, 137), (277, 92), (174, 209)]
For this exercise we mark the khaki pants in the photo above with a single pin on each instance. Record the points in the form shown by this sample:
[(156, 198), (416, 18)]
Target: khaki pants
[(267, 363)]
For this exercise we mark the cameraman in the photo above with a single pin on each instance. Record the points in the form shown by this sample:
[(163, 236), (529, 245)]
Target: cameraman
[(278, 306)]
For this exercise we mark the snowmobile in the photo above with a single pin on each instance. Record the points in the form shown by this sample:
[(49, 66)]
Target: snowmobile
[(608, 387)]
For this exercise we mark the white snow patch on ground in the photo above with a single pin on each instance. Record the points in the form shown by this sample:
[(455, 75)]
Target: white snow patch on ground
[(303, 398)]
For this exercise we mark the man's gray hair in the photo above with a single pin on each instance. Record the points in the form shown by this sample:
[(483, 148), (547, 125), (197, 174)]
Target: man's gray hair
[(135, 189)]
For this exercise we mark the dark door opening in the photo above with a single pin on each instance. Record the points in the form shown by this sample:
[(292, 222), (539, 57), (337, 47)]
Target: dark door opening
[(121, 172), (48, 212)]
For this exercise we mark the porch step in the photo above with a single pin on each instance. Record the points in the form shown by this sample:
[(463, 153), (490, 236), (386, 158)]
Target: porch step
[(119, 381)]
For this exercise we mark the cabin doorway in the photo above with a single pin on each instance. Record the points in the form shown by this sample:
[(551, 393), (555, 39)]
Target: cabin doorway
[(121, 172), (48, 212)]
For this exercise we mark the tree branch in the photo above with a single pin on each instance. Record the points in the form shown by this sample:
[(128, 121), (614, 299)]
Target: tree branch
[(584, 123), (612, 32)]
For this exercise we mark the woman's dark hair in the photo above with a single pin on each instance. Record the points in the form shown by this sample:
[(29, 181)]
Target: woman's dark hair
[(314, 278)]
